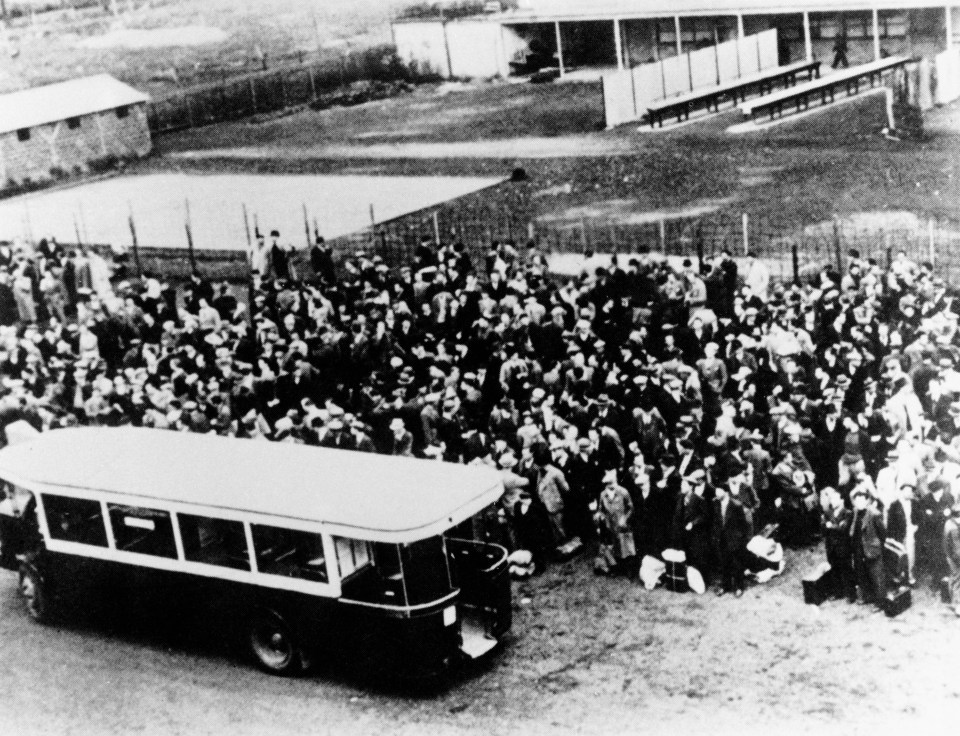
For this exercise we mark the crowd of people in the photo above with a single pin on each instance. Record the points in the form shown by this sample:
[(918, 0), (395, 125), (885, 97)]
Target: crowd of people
[(645, 405)]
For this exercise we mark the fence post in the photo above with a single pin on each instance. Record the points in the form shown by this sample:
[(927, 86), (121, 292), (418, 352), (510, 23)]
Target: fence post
[(583, 233), (253, 95), (836, 244), (933, 247), (530, 231), (746, 233), (313, 87), (796, 263), (436, 228), (663, 236)]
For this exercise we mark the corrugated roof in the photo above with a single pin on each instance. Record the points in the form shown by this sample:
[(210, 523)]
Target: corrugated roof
[(378, 497), (54, 102)]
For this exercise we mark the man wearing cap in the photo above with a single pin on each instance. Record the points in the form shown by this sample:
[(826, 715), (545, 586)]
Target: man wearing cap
[(616, 511), (584, 477), (730, 534), (931, 513), (402, 440), (868, 534), (838, 544)]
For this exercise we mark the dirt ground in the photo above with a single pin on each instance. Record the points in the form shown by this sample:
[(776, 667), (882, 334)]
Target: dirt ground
[(587, 655)]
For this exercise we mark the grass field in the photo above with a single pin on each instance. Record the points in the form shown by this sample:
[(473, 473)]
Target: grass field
[(55, 46), (793, 178)]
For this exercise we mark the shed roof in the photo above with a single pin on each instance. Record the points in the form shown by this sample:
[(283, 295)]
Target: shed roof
[(54, 102), (377, 497)]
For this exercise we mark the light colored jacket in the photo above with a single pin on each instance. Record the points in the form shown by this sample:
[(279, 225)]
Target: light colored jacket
[(552, 488)]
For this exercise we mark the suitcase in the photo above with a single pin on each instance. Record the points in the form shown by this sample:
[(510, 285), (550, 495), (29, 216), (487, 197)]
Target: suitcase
[(569, 549), (675, 579), (897, 601), (816, 587), (896, 563)]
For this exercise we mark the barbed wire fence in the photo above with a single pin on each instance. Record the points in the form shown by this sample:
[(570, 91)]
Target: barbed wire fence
[(793, 252)]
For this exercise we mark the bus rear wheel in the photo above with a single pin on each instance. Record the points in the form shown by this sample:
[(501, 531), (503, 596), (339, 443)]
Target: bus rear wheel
[(273, 645), (34, 594)]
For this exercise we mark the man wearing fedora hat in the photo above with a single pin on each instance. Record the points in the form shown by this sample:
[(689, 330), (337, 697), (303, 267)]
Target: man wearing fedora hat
[(691, 529)]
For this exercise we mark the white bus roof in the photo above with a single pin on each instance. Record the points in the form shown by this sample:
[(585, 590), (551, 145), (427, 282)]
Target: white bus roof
[(375, 497)]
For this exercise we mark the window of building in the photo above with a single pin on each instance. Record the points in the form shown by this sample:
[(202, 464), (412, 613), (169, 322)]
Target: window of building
[(75, 520), (214, 541), (73, 123), (23, 134), (352, 555), (123, 111), (145, 531), (289, 553)]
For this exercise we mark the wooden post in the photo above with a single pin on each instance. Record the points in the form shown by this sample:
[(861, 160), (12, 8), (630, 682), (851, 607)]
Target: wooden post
[(559, 48), (796, 262), (746, 233), (618, 43), (876, 34), (136, 247), (436, 228), (807, 38), (246, 227), (189, 229), (373, 225), (663, 236), (313, 86), (253, 95), (83, 224), (933, 246), (76, 230), (836, 244), (530, 231), (676, 27)]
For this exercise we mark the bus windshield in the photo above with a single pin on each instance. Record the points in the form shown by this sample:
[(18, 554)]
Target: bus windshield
[(426, 573)]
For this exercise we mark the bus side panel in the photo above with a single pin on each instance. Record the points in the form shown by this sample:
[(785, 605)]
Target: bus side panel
[(354, 637), (391, 643)]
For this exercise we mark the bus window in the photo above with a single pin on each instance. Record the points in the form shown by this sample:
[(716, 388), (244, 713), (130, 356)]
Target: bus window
[(75, 520), (214, 541), (289, 552), (145, 531), (352, 555)]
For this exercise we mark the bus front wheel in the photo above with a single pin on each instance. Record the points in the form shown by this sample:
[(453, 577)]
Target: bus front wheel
[(273, 645), (34, 594)]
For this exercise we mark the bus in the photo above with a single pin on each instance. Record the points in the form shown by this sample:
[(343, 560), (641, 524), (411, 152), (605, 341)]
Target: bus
[(307, 553)]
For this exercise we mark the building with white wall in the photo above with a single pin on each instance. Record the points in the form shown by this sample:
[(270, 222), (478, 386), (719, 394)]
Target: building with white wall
[(597, 34)]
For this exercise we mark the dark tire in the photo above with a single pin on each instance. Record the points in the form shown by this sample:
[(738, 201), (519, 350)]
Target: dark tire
[(34, 594), (272, 645)]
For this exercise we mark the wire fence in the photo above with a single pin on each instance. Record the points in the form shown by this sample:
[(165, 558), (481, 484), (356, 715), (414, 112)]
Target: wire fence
[(271, 91), (792, 252)]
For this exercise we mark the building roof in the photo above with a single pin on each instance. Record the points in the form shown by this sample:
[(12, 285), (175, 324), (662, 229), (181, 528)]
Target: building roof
[(54, 102), (571, 10), (361, 495)]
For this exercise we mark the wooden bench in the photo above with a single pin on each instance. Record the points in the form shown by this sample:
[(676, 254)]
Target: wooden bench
[(734, 91), (824, 88)]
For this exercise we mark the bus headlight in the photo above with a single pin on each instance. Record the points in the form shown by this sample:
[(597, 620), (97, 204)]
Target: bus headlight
[(449, 615)]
